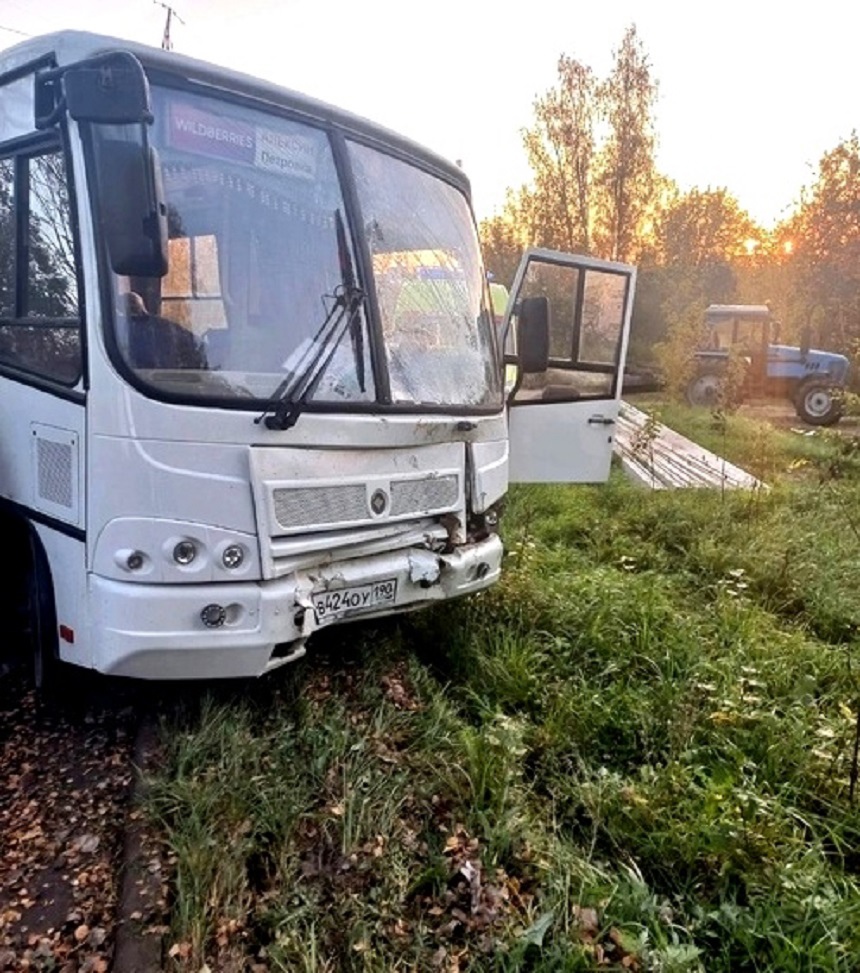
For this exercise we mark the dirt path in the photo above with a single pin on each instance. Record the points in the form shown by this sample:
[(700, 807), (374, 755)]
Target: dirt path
[(782, 415), (65, 781)]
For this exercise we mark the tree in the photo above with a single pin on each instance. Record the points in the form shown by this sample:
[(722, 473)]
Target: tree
[(560, 150), (505, 235), (52, 283), (627, 175), (35, 229), (7, 238), (704, 227), (699, 247), (821, 248), (586, 196)]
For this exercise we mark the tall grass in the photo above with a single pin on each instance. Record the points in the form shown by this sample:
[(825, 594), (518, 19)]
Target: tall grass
[(636, 751)]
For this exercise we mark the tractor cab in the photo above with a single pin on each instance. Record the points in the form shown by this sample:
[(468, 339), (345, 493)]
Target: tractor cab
[(743, 330), (739, 326)]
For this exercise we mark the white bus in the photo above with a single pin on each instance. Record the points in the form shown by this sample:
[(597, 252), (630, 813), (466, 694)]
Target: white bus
[(250, 380)]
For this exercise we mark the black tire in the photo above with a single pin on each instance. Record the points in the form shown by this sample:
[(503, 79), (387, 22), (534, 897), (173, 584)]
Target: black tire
[(705, 388), (40, 624), (818, 404)]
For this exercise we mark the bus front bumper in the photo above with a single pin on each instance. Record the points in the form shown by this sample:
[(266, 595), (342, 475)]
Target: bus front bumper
[(223, 631)]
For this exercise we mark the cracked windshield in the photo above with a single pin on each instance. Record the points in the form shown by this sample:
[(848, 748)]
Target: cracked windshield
[(430, 284), (253, 203), (255, 269)]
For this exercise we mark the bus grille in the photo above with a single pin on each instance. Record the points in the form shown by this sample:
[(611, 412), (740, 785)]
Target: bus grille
[(430, 493), (349, 504), (303, 506)]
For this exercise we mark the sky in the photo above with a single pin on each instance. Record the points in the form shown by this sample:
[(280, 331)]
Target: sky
[(751, 94)]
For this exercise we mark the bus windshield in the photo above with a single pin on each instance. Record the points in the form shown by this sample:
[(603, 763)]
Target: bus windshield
[(255, 267), (430, 284)]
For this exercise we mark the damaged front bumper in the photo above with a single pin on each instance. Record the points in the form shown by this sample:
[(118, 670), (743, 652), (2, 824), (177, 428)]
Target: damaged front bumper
[(212, 631)]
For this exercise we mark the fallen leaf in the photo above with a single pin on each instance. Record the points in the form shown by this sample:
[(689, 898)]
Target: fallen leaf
[(534, 935)]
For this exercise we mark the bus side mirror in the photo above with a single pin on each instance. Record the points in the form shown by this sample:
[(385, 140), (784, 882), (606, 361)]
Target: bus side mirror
[(112, 90), (109, 90), (132, 207), (533, 335)]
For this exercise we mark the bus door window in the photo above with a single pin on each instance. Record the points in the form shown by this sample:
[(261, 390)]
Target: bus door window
[(39, 307)]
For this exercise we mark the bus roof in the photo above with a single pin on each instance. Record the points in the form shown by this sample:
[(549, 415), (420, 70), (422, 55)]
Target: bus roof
[(69, 46)]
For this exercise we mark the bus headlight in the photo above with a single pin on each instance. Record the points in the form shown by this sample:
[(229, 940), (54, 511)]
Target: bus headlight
[(150, 551), (132, 559), (184, 552), (233, 556)]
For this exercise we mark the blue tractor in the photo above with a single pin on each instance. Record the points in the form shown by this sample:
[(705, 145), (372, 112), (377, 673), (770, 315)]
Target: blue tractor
[(812, 380)]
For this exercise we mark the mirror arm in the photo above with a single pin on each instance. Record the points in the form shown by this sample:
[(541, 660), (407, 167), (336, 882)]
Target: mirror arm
[(49, 121), (47, 91)]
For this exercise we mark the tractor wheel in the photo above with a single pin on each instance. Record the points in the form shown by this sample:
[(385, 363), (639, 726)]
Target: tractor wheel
[(705, 389), (818, 404)]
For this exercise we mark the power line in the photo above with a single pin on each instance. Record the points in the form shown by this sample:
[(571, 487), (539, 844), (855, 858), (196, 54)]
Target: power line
[(12, 30), (166, 43)]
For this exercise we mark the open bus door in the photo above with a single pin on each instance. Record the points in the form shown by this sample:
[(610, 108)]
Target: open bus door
[(565, 330)]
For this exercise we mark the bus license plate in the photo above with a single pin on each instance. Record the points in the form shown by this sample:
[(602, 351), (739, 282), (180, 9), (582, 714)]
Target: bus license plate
[(357, 598)]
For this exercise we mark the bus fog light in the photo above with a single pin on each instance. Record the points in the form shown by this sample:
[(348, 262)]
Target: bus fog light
[(134, 561), (233, 556), (184, 552), (213, 616)]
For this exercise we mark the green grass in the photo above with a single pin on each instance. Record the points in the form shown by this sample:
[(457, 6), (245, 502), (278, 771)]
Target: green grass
[(636, 749)]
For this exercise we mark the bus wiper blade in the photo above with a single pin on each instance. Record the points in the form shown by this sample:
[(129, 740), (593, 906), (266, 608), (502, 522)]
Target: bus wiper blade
[(289, 398)]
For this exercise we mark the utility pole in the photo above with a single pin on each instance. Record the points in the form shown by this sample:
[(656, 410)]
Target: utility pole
[(166, 43)]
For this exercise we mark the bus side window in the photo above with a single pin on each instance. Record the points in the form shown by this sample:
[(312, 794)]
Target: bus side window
[(39, 309)]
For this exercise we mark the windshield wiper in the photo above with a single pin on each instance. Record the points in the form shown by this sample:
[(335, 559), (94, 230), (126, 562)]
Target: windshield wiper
[(289, 398)]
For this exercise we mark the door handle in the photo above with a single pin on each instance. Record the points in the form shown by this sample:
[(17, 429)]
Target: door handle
[(600, 421)]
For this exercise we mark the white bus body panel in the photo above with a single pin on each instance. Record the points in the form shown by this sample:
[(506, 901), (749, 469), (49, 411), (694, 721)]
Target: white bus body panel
[(42, 464)]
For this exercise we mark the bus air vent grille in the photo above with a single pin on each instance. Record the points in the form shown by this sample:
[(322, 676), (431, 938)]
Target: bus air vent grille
[(54, 463), (308, 506), (427, 494), (352, 504)]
